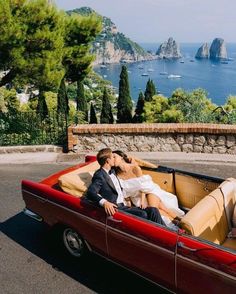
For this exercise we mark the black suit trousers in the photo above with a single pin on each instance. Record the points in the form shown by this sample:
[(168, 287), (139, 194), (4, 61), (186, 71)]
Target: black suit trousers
[(150, 213)]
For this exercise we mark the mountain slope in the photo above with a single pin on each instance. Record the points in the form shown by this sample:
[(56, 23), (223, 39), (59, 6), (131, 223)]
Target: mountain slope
[(111, 46)]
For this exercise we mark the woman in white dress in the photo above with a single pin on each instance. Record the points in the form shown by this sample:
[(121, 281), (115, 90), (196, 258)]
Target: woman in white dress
[(142, 191)]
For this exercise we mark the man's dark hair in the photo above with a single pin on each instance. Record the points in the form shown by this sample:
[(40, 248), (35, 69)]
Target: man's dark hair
[(103, 155)]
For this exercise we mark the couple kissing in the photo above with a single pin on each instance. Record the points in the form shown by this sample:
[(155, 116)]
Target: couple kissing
[(120, 184)]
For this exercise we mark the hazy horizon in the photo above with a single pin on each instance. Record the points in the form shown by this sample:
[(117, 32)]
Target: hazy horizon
[(154, 21)]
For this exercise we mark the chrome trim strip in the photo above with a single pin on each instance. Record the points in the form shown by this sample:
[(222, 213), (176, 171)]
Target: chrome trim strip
[(143, 241), (33, 215), (205, 267)]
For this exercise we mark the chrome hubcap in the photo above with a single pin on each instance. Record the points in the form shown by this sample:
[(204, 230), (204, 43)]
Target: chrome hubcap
[(73, 242)]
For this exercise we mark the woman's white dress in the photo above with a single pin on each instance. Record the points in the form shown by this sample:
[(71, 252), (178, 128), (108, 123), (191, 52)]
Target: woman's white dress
[(133, 187)]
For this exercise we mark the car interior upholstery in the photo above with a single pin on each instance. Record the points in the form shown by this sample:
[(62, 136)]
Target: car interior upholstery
[(211, 218)]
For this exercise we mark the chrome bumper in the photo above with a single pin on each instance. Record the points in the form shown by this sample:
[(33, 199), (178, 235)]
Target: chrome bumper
[(32, 214)]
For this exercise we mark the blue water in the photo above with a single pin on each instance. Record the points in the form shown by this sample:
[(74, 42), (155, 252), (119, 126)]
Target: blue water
[(219, 80)]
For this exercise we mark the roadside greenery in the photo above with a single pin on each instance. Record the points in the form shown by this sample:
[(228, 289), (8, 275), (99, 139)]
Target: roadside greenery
[(191, 107)]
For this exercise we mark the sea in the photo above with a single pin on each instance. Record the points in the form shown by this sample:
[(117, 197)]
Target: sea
[(217, 78)]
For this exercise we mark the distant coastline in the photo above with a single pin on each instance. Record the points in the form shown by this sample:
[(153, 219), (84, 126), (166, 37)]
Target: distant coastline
[(216, 78)]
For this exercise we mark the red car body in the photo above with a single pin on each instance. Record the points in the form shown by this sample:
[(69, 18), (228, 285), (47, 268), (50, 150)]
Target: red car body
[(174, 260)]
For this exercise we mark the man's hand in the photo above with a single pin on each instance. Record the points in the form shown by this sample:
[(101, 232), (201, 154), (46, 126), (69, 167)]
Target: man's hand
[(109, 207)]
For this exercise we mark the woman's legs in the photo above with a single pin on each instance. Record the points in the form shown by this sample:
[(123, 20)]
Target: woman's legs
[(154, 201)]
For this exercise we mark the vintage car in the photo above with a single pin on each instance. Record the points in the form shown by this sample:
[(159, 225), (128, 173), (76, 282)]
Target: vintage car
[(200, 257)]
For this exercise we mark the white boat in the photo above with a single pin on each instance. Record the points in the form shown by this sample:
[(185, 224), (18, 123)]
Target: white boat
[(144, 74), (181, 61), (150, 70), (103, 66), (174, 76), (164, 72), (140, 67)]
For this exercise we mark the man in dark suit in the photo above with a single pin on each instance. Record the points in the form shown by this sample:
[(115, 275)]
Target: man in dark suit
[(106, 191)]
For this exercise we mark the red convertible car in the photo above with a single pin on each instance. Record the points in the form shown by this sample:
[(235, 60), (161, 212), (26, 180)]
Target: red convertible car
[(198, 258)]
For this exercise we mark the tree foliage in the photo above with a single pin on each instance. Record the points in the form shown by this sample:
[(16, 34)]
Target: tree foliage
[(93, 116), (153, 110), (31, 43), (79, 33), (182, 106), (8, 101), (138, 116), (40, 45), (62, 99), (106, 113), (150, 90), (124, 105), (81, 101)]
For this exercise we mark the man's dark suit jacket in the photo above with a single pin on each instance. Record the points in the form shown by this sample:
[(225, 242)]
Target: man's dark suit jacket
[(102, 185)]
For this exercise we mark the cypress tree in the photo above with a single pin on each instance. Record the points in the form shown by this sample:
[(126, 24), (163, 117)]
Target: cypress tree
[(93, 117), (124, 105), (106, 113), (62, 99), (42, 108), (111, 120), (150, 90), (139, 109), (81, 101)]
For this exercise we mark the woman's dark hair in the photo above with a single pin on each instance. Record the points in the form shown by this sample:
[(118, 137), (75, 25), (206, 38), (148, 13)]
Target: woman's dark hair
[(123, 155)]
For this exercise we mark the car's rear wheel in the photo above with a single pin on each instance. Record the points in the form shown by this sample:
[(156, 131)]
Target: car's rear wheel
[(74, 243)]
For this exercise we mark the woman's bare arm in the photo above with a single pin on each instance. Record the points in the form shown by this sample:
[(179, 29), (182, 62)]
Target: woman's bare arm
[(137, 171)]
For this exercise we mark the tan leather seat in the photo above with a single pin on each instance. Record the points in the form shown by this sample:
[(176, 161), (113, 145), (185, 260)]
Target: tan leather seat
[(207, 219), (228, 189), (203, 221)]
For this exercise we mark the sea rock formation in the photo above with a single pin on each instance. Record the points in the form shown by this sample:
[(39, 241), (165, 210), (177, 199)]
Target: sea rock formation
[(169, 49), (203, 52), (111, 46), (218, 49)]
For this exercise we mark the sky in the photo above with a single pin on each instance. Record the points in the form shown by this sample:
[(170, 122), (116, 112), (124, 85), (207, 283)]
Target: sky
[(156, 20)]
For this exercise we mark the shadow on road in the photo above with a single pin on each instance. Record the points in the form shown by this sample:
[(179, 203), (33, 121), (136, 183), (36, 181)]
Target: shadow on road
[(94, 272)]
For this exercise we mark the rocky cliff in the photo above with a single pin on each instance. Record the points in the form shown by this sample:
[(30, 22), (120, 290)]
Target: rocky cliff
[(218, 49), (169, 49), (203, 52), (111, 46)]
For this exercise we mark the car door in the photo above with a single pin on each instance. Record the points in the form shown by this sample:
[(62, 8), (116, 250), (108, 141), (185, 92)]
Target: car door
[(143, 247), (203, 267)]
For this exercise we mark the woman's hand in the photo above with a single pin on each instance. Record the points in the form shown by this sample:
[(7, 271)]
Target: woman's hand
[(143, 204)]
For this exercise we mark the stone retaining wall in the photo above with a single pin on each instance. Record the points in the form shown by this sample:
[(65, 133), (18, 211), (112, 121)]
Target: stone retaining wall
[(200, 138), (27, 149)]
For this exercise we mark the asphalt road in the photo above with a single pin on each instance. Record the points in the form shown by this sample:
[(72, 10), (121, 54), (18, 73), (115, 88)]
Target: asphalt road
[(31, 260)]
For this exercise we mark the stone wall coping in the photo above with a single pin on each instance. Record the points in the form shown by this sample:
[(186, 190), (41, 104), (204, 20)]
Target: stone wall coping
[(153, 128)]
